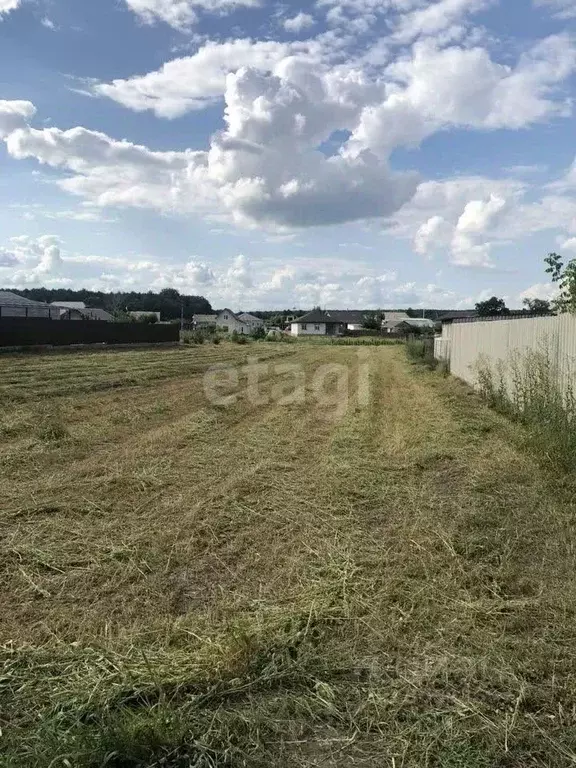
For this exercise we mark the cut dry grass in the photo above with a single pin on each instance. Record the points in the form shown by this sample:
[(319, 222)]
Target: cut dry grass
[(191, 585)]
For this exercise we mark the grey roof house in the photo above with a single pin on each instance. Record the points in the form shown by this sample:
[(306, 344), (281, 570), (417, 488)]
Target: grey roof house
[(13, 305), (327, 322), (77, 310), (416, 325)]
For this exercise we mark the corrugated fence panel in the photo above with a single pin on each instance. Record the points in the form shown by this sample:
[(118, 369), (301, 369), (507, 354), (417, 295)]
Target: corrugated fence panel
[(32, 331), (495, 340)]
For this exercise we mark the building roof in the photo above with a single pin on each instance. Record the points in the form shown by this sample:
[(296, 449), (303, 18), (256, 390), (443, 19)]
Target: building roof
[(351, 316), (229, 311), (395, 316), (9, 299), (69, 304), (249, 318), (458, 314), (94, 313), (418, 322)]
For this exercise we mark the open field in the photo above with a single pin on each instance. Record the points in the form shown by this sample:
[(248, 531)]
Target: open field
[(191, 584)]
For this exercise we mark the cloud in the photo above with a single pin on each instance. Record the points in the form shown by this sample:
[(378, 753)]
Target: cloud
[(264, 169), (107, 172), (193, 82), (298, 23), (48, 23), (28, 260), (7, 259), (14, 115), (562, 9), (546, 291), (182, 14), (435, 18), (8, 5), (439, 88), (432, 234), (276, 164)]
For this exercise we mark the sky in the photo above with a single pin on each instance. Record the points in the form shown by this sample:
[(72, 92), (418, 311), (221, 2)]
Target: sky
[(341, 153)]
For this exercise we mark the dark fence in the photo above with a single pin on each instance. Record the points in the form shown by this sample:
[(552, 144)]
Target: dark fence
[(32, 331), (362, 332)]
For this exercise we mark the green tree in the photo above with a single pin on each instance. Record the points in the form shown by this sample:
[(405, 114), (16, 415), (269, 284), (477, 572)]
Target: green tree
[(373, 322), (492, 307), (564, 275), (538, 306), (259, 333)]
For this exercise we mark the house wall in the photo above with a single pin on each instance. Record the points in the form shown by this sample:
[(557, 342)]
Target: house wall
[(491, 341), (308, 329), (229, 321)]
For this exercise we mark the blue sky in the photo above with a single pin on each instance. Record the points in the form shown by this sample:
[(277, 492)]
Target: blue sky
[(347, 153)]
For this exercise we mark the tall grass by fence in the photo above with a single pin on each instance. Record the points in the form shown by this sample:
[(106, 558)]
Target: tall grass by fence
[(527, 388), (526, 368)]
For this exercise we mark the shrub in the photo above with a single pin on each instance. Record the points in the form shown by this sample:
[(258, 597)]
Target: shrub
[(194, 337), (259, 333), (216, 340), (238, 338)]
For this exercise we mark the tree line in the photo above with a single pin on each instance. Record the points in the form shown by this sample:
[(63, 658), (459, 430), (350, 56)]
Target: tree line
[(169, 302)]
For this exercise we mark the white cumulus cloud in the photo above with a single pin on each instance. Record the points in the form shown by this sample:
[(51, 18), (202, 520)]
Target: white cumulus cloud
[(298, 23), (28, 260), (563, 9), (192, 82), (14, 115), (8, 5), (181, 14)]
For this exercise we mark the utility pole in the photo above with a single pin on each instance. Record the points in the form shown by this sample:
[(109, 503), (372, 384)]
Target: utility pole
[(181, 314)]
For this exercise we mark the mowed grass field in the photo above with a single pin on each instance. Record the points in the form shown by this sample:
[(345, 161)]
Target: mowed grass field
[(391, 583)]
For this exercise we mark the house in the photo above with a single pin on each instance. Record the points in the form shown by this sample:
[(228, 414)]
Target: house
[(327, 322), (77, 310), (70, 310), (204, 321), (68, 304), (13, 305), (94, 313), (228, 322), (392, 320), (253, 321), (416, 325)]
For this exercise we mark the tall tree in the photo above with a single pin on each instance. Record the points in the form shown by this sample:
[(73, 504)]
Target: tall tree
[(538, 306), (492, 307), (373, 322), (564, 275)]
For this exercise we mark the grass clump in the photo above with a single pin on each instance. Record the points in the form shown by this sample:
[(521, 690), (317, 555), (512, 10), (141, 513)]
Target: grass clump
[(533, 390), (421, 351), (196, 336), (51, 427)]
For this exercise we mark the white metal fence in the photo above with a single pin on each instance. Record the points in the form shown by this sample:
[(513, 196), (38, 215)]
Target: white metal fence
[(468, 343)]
